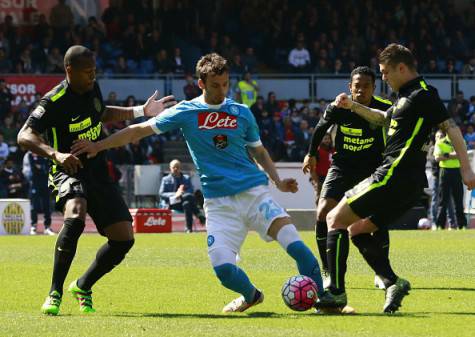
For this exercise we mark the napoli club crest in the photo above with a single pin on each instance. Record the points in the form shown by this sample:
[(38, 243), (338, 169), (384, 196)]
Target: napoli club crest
[(220, 141)]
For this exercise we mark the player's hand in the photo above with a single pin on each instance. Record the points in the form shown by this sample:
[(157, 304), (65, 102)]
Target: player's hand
[(68, 161), (287, 185), (468, 178), (153, 106), (309, 164), (180, 191), (81, 146), (343, 101)]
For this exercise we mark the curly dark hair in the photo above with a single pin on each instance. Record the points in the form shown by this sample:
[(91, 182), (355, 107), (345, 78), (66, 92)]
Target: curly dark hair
[(211, 64)]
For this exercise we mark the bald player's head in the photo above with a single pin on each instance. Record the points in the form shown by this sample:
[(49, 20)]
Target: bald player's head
[(78, 56), (80, 67)]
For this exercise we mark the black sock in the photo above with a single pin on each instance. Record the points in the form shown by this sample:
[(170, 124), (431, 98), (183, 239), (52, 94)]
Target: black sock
[(107, 257), (381, 236), (337, 254), (321, 232), (374, 255), (64, 251)]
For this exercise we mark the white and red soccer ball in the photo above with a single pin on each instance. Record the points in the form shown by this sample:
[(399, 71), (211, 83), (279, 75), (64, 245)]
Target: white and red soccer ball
[(299, 293)]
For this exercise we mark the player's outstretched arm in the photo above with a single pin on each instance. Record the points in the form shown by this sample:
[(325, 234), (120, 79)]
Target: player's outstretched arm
[(375, 116), (262, 157), (453, 132), (151, 108), (125, 136)]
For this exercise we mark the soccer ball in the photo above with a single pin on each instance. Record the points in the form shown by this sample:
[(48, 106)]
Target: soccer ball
[(299, 293), (424, 223)]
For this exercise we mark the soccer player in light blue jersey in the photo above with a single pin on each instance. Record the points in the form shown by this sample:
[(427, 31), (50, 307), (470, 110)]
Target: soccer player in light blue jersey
[(224, 142)]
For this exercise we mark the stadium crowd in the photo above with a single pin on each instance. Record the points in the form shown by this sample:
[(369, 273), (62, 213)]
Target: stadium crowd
[(132, 37)]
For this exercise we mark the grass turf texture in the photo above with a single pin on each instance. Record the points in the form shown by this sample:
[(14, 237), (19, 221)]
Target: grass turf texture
[(166, 287)]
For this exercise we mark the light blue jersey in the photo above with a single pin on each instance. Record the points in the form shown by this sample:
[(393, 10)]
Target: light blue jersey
[(217, 136)]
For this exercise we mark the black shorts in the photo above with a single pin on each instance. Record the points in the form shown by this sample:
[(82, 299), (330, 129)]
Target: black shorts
[(383, 200), (339, 180), (105, 204)]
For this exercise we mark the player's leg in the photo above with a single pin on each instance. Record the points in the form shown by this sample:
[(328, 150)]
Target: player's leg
[(283, 231), (381, 236), (338, 220), (34, 212), (325, 205), (47, 212), (226, 234), (444, 199), (456, 189), (65, 250), (113, 220)]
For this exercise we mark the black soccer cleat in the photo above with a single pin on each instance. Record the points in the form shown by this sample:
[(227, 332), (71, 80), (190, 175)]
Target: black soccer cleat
[(329, 300), (395, 294)]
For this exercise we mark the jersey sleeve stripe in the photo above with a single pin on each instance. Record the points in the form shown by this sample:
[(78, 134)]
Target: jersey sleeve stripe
[(57, 96), (254, 144), (383, 100), (152, 124)]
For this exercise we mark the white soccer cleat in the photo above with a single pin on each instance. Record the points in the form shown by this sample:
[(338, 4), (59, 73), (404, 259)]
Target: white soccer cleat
[(33, 231), (239, 304), (48, 231), (378, 283)]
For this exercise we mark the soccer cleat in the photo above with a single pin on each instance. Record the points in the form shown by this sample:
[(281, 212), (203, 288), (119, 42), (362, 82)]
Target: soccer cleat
[(48, 231), (33, 231), (239, 304), (326, 279), (329, 300), (395, 294), (84, 298), (52, 303), (378, 282)]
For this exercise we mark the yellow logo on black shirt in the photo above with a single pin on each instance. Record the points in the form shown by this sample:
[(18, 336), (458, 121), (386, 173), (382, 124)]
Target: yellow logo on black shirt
[(93, 133), (81, 125), (392, 127)]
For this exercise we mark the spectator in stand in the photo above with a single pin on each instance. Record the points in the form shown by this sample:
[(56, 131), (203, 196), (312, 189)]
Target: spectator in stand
[(257, 108), (5, 63), (121, 66), (6, 98), (303, 136), (138, 155), (471, 109), (247, 89), (431, 67), (236, 66), (272, 105), (324, 159), (228, 49), (469, 68), (163, 65), (39, 192), (61, 17), (470, 136), (4, 150), (177, 192), (55, 61), (450, 68), (249, 60), (13, 179), (299, 58), (178, 67), (191, 89), (266, 129), (458, 108), (9, 131), (25, 62)]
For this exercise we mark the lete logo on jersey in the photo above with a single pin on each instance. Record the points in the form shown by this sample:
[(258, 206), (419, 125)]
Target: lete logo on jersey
[(216, 120)]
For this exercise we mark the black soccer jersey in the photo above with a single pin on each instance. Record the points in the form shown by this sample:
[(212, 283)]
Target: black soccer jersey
[(358, 143), (64, 116), (417, 110)]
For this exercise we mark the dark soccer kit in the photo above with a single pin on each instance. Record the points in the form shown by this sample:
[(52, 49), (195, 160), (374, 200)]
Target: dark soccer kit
[(359, 146), (398, 182), (65, 116)]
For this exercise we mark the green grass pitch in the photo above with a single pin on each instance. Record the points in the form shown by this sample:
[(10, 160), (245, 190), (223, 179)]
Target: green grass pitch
[(166, 287)]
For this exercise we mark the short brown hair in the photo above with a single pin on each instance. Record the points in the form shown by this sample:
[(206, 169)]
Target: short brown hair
[(211, 64), (395, 53)]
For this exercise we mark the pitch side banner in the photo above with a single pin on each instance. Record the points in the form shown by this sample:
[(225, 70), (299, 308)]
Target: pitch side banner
[(25, 87)]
